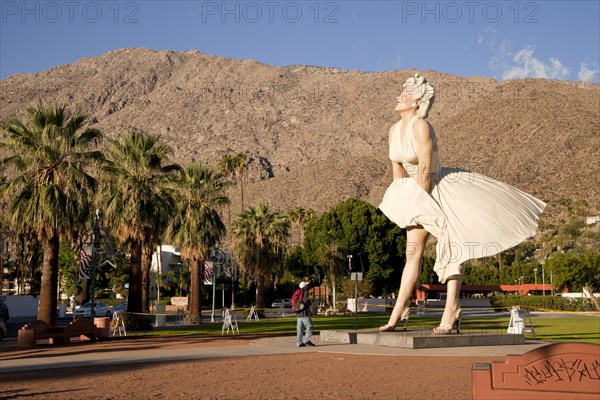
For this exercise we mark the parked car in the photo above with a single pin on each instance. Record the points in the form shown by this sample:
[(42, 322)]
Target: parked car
[(4, 314), (282, 303), (100, 310), (119, 307)]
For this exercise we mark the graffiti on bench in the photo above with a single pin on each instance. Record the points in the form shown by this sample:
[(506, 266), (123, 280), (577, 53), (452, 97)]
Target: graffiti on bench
[(573, 370)]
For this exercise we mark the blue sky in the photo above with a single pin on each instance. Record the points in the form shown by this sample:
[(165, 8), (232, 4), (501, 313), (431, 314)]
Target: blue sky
[(499, 39)]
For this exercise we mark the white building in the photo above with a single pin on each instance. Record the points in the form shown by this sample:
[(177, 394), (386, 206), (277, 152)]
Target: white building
[(166, 258)]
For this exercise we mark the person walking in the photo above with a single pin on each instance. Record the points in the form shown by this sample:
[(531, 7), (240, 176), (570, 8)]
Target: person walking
[(301, 305)]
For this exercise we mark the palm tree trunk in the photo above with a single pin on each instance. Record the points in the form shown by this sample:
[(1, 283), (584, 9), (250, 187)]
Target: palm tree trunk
[(146, 262), (333, 299), (48, 302), (247, 287), (196, 294), (134, 300), (232, 287), (261, 292)]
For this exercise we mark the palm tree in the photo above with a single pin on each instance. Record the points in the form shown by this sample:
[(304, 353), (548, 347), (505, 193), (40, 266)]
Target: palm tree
[(227, 167), (234, 165), (261, 243), (197, 226), (240, 164), (46, 159), (299, 217), (138, 198)]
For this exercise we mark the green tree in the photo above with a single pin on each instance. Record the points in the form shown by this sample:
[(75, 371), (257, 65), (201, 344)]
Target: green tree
[(385, 247), (574, 271), (137, 193), (261, 237), (326, 246), (47, 158), (348, 288), (355, 227), (197, 225), (68, 270), (428, 275), (294, 264)]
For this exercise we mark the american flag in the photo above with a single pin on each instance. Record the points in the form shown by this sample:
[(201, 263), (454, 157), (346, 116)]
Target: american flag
[(208, 272), (84, 261)]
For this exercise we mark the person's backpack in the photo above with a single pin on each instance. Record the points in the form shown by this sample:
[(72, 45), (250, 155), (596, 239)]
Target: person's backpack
[(297, 305)]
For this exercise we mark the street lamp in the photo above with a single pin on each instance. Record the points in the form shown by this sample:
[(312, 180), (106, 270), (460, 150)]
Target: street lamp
[(535, 274), (543, 280), (521, 285), (355, 291), (233, 276)]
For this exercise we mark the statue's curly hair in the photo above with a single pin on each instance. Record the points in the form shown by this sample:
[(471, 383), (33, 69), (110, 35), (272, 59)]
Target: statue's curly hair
[(422, 90)]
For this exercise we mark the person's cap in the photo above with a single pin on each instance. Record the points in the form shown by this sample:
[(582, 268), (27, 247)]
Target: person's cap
[(303, 284)]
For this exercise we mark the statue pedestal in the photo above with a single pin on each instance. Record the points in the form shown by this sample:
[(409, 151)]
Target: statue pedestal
[(421, 339)]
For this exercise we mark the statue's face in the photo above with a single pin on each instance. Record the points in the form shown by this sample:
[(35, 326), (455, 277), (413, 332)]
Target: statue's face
[(406, 99)]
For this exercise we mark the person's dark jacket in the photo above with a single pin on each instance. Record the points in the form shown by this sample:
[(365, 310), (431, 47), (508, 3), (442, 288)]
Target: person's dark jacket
[(306, 300)]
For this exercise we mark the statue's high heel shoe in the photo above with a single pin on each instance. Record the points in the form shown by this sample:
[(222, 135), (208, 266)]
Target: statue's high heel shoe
[(389, 327), (445, 328)]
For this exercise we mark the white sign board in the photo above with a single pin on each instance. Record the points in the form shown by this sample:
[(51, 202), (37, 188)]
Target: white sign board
[(356, 276), (179, 301)]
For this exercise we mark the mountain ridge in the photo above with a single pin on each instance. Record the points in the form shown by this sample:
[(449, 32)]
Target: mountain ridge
[(299, 122)]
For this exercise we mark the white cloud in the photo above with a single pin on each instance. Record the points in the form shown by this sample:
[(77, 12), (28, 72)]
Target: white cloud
[(525, 65), (588, 73), (360, 47), (397, 63), (487, 37), (500, 55)]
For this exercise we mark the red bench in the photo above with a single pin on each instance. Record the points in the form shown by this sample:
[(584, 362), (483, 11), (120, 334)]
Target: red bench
[(557, 371), (30, 333), (81, 327)]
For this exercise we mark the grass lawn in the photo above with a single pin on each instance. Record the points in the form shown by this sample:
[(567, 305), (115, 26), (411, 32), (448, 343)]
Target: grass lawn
[(576, 329)]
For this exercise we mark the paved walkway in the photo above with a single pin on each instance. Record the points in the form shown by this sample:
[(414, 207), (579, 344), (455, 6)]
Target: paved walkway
[(151, 349)]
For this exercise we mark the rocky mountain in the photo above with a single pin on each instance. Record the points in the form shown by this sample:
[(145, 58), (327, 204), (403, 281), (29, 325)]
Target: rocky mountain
[(317, 135)]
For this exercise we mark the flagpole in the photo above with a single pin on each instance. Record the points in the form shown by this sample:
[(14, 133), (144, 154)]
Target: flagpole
[(212, 314), (215, 273), (94, 262)]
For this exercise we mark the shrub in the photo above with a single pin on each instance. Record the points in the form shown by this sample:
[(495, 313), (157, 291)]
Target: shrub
[(542, 302), (133, 322)]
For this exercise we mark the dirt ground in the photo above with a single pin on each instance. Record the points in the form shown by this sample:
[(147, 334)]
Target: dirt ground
[(295, 376)]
